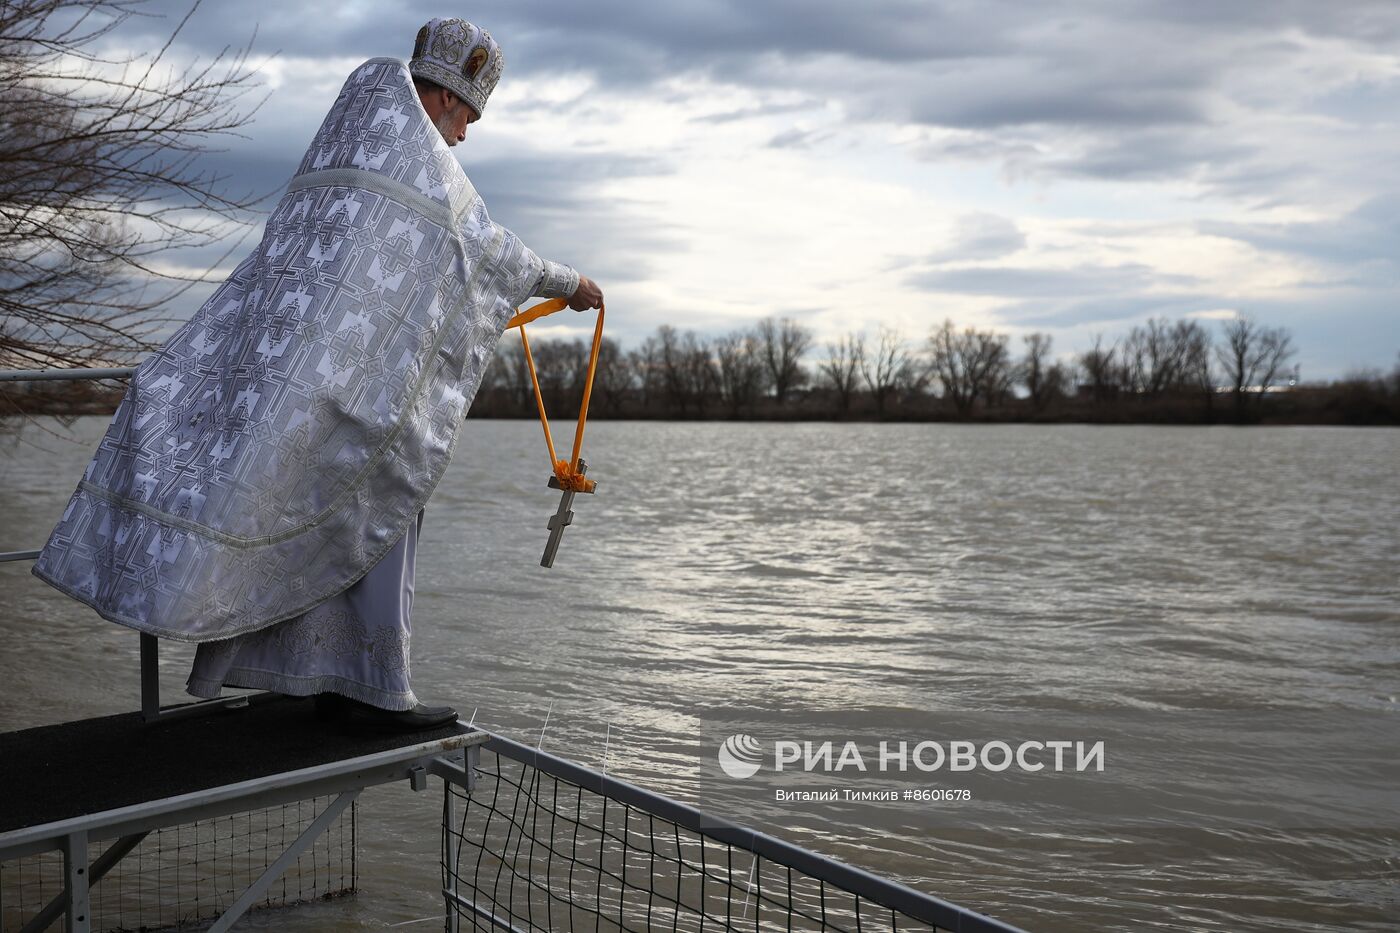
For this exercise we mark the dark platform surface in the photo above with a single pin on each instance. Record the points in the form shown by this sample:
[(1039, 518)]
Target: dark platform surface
[(53, 773)]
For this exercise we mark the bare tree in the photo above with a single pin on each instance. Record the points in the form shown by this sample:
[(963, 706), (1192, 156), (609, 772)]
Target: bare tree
[(741, 371), (699, 376), (1100, 369), (687, 369), (1149, 363), (614, 378), (671, 361), (884, 368), (970, 365), (99, 175), (645, 363), (1134, 359), (1160, 356), (510, 375), (1033, 368), (784, 342), (1059, 380), (917, 378), (1045, 381), (841, 367), (560, 367), (1252, 357), (497, 387), (1197, 373)]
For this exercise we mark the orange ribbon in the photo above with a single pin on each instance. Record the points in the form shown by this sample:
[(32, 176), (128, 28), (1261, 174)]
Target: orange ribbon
[(565, 471)]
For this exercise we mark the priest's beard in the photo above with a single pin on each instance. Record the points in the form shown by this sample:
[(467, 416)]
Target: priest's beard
[(444, 127)]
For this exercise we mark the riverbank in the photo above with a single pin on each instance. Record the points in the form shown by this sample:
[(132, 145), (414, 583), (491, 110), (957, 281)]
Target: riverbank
[(1358, 403)]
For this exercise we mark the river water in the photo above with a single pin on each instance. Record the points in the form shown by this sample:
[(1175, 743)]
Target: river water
[(883, 581)]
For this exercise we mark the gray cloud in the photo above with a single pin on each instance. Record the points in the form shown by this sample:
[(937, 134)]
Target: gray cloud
[(1212, 98), (980, 147), (1111, 311), (1123, 93), (553, 203), (798, 139), (1082, 295), (1359, 328), (749, 113), (1370, 21), (1044, 86), (1156, 154), (618, 39), (981, 237), (1368, 235), (718, 35), (1026, 282)]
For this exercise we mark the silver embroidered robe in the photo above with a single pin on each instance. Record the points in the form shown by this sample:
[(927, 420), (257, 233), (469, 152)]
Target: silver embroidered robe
[(355, 644), (282, 441)]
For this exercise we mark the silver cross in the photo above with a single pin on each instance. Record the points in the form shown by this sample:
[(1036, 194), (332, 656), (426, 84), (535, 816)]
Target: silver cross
[(561, 519)]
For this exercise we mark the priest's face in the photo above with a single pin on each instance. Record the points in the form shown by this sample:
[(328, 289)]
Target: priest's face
[(454, 119)]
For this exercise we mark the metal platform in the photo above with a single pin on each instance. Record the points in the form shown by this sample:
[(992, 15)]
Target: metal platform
[(71, 786)]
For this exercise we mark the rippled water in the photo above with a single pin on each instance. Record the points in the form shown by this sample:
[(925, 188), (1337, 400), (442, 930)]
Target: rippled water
[(873, 576)]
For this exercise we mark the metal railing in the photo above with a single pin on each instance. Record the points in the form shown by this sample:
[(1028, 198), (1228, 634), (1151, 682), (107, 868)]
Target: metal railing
[(182, 875), (181, 872), (64, 375), (534, 842)]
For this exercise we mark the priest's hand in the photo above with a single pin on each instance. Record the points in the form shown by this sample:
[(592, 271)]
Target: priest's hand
[(587, 295)]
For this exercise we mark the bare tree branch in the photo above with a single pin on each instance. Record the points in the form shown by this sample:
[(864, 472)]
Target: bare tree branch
[(741, 373), (99, 179), (884, 369), (842, 365), (971, 365), (1252, 358), (784, 343), (1100, 369)]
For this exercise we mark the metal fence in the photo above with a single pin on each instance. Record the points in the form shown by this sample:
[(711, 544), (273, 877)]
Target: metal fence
[(182, 876), (539, 843)]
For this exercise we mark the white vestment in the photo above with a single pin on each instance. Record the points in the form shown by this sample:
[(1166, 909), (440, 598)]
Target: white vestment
[(354, 644), (268, 459)]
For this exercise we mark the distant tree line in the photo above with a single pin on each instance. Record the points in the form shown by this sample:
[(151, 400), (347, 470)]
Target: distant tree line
[(1179, 372), (1169, 371)]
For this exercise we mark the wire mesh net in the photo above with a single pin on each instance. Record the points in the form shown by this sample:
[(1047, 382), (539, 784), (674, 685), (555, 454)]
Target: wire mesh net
[(186, 875), (529, 851)]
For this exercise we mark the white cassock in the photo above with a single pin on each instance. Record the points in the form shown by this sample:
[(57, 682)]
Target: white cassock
[(354, 644)]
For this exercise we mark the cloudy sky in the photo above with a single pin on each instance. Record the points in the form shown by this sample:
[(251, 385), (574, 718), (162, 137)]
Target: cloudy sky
[(1073, 168)]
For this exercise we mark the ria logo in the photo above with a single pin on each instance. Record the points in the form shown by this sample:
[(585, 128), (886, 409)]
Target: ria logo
[(741, 756)]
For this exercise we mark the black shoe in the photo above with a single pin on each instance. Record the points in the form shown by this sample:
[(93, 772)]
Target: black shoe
[(373, 719)]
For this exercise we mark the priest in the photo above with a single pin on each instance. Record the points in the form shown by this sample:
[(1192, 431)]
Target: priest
[(262, 484)]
